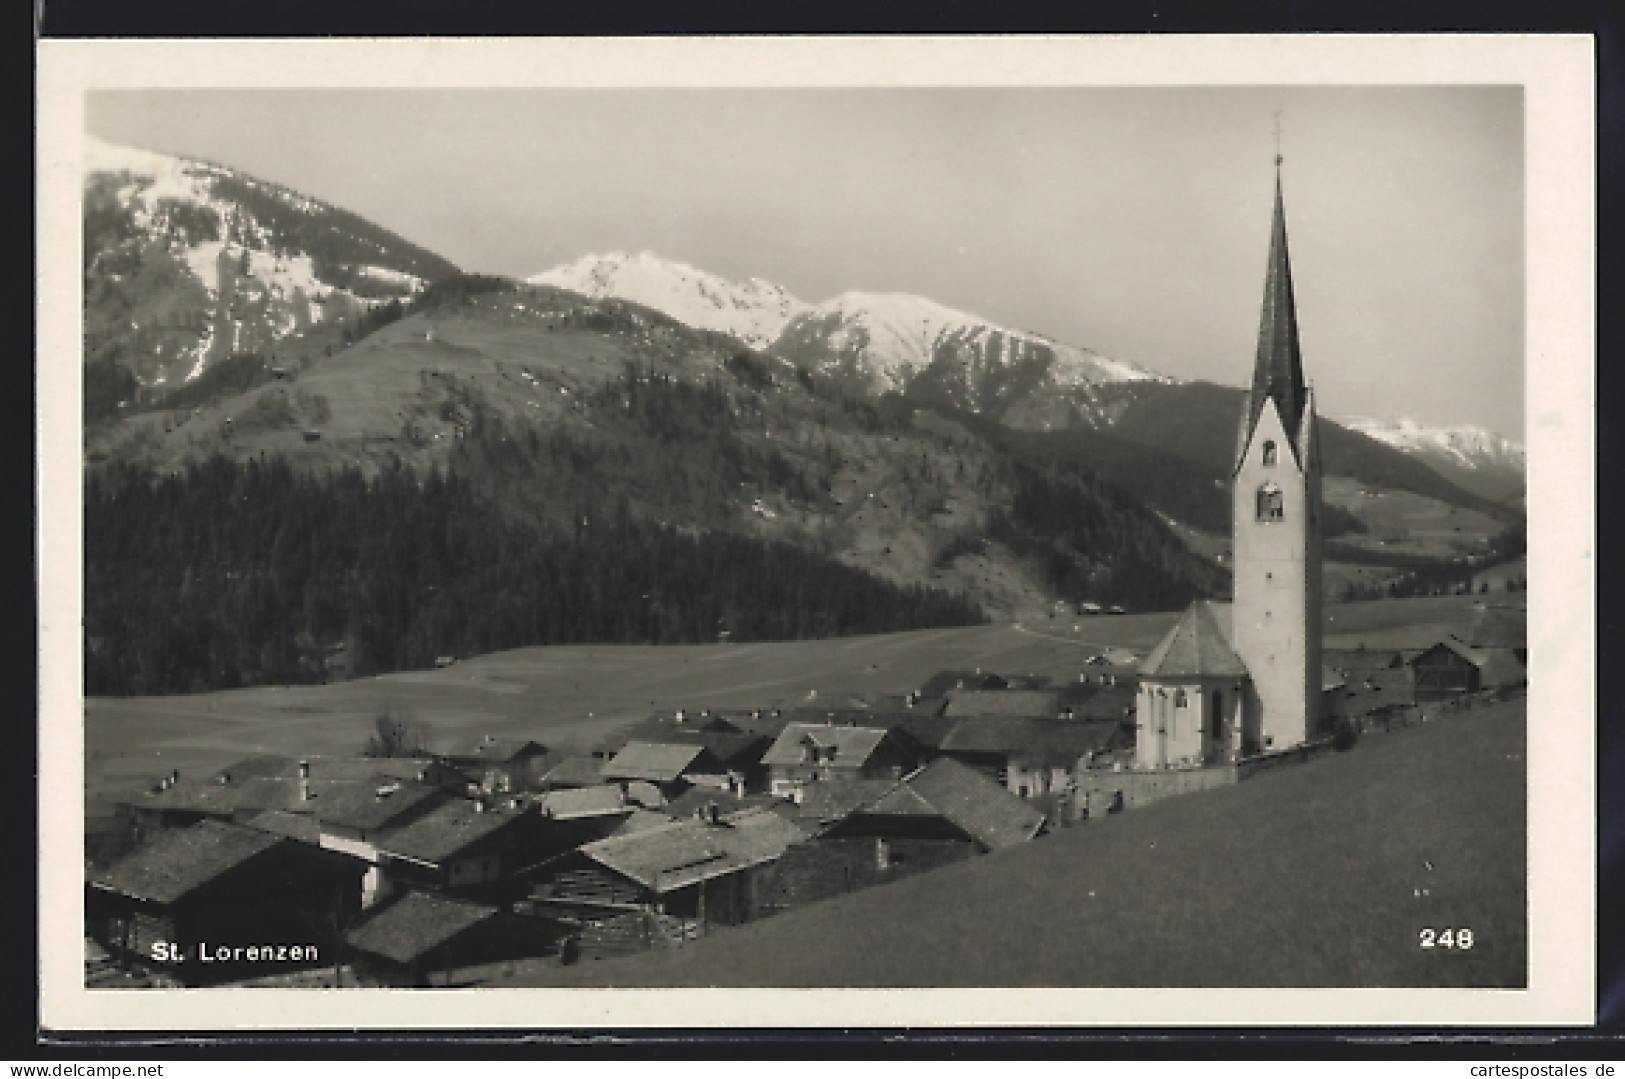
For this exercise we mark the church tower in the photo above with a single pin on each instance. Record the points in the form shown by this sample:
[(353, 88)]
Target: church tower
[(1275, 524)]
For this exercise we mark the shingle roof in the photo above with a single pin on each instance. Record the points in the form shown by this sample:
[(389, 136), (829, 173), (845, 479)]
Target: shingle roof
[(599, 801), (1002, 702), (575, 772), (691, 802), (300, 826), (492, 749), (178, 861), (272, 782), (1028, 739), (1197, 646), (1450, 644), (658, 762), (853, 745), (447, 830), (822, 803), (976, 804), (416, 924), (1106, 702), (367, 806), (682, 853)]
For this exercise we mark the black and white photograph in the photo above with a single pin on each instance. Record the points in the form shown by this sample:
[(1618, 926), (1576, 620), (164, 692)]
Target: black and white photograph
[(786, 528)]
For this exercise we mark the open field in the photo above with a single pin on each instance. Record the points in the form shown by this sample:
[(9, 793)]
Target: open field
[(570, 696), (1405, 522), (575, 694), (1316, 874)]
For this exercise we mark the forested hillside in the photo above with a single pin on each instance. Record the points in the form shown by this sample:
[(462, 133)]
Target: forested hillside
[(230, 574)]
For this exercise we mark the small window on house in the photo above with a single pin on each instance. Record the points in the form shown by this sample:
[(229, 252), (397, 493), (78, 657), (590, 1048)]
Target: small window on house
[(1270, 506), (1179, 698), (1269, 454), (882, 853)]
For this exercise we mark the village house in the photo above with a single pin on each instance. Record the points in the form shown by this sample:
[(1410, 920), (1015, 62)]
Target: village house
[(651, 773), (499, 765), (353, 819), (420, 940), (698, 871), (1452, 669), (806, 753), (220, 887), (470, 846), (942, 813), (1029, 756)]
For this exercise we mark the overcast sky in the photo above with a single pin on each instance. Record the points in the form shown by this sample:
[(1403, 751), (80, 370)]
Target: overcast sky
[(1131, 221)]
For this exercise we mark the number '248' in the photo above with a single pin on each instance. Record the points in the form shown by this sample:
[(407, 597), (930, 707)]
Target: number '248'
[(1447, 938)]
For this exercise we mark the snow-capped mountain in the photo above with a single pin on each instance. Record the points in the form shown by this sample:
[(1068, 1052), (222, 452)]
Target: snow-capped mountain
[(187, 262), (1463, 446), (887, 342), (754, 311)]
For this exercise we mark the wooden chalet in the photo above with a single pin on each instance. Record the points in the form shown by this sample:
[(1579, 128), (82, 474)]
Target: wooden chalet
[(214, 886), (420, 940), (700, 871), (471, 847), (573, 772), (806, 753), (496, 764), (652, 773), (1028, 756), (943, 813), (1452, 669)]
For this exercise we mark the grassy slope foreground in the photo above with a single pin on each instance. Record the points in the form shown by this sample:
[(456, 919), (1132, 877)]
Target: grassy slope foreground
[(1320, 874)]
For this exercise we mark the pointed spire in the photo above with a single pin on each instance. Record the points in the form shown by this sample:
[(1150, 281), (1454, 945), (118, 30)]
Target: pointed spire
[(1278, 371)]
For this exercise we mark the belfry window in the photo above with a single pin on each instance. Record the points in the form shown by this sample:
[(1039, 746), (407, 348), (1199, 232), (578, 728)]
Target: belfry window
[(1270, 506), (1179, 698), (1269, 454)]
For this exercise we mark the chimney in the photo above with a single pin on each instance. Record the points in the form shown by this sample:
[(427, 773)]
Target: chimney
[(174, 776), (479, 805), (713, 812), (225, 778), (304, 769)]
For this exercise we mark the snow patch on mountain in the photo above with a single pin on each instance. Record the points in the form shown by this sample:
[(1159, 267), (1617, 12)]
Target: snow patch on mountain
[(894, 336), (1465, 445), (755, 311)]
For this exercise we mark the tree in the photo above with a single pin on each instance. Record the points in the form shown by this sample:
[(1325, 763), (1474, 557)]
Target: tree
[(395, 734)]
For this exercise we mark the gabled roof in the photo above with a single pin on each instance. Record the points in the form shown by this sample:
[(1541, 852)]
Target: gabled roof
[(693, 801), (1349, 660), (822, 803), (964, 797), (269, 781), (575, 772), (372, 805), (1002, 702), (1105, 703), (853, 745), (682, 853), (177, 862), (575, 802), (416, 924), (491, 749), (1453, 646), (447, 830), (1197, 646), (300, 826), (660, 762), (1029, 739)]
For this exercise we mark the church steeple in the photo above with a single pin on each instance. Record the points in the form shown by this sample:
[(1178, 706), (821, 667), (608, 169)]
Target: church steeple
[(1278, 369)]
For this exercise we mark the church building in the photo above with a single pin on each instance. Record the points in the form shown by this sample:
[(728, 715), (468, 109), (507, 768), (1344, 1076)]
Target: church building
[(1231, 680)]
